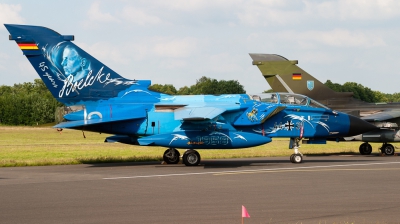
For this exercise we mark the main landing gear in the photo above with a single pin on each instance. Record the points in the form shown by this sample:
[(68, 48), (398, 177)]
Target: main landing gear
[(171, 156), (366, 149), (190, 157), (296, 157), (387, 149)]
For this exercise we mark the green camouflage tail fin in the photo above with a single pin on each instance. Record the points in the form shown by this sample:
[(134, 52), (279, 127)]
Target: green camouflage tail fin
[(284, 75)]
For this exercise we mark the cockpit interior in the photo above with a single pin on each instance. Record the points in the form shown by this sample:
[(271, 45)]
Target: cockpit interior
[(287, 98)]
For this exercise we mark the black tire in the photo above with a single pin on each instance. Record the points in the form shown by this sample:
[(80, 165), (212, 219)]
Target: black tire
[(291, 158), (388, 149), (382, 149), (365, 149), (171, 156), (191, 158), (297, 158)]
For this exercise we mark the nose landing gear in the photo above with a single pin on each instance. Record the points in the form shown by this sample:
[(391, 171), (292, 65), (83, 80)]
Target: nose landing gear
[(296, 157)]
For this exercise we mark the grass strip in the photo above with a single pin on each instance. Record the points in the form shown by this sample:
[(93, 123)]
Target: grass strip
[(41, 146)]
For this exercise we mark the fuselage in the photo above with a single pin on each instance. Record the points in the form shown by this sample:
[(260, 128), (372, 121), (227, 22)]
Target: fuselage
[(266, 115)]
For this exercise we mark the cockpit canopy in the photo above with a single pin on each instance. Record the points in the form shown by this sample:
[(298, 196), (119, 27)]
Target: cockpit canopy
[(288, 98)]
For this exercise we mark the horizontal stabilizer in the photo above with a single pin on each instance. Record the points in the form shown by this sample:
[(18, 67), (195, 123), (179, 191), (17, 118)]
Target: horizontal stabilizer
[(122, 139), (382, 116), (81, 123), (198, 113)]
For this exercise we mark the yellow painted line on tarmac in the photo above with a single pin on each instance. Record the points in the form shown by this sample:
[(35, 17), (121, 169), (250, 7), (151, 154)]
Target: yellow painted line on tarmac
[(303, 170)]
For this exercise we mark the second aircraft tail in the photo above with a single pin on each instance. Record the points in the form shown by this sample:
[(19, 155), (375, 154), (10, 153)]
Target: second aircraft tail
[(284, 75)]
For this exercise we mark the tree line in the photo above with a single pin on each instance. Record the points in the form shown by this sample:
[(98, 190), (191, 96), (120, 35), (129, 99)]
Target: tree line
[(204, 85), (33, 104), (364, 93), (27, 104)]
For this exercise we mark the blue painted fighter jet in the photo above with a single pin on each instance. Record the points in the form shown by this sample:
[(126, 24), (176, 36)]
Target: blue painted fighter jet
[(136, 115)]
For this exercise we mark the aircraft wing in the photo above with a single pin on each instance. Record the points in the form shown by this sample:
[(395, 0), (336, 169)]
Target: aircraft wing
[(382, 116), (198, 113), (258, 114)]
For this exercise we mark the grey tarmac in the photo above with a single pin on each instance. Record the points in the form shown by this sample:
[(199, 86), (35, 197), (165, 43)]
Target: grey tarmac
[(322, 189)]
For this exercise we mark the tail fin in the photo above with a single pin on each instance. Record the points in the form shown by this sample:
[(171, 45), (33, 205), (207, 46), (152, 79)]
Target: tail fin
[(71, 74), (285, 76)]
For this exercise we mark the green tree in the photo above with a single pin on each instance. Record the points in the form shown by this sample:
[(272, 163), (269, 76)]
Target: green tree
[(167, 89), (184, 91), (204, 85), (27, 104), (334, 86), (380, 97), (230, 86), (360, 92), (395, 97)]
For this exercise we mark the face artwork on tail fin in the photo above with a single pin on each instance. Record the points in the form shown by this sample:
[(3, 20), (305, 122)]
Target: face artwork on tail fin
[(74, 67), (68, 65), (71, 74), (73, 64)]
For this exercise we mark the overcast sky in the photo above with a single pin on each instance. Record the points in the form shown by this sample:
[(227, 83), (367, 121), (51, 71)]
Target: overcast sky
[(178, 41)]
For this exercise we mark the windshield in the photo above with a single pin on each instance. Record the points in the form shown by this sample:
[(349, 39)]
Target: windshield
[(288, 98), (266, 97)]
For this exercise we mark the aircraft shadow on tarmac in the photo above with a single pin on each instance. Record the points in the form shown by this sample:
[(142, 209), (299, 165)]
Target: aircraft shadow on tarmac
[(266, 163), (248, 162)]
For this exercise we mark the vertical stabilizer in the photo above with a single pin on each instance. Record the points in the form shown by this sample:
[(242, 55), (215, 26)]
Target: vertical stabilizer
[(284, 75), (71, 74)]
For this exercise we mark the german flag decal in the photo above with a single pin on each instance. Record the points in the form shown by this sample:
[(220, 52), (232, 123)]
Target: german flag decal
[(28, 46), (296, 76)]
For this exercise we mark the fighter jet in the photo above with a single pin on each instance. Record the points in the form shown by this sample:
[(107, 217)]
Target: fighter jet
[(284, 75), (110, 103)]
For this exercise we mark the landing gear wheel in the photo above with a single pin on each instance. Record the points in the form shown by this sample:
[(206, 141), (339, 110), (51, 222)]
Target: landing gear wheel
[(191, 158), (388, 149), (296, 158), (291, 158), (365, 149), (171, 156)]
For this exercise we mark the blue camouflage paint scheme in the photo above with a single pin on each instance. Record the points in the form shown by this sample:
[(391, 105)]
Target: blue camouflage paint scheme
[(136, 115)]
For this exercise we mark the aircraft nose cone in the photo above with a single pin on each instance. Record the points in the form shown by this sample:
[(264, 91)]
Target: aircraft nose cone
[(359, 126)]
